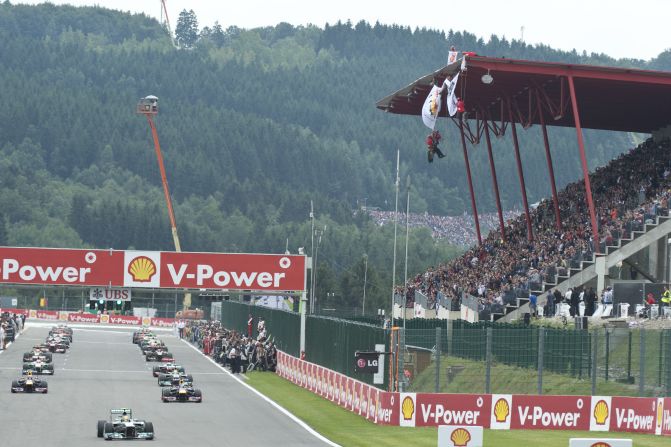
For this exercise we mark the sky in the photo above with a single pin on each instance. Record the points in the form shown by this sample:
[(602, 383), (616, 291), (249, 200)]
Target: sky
[(621, 29)]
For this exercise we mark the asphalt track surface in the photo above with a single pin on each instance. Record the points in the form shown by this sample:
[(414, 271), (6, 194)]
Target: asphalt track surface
[(104, 369)]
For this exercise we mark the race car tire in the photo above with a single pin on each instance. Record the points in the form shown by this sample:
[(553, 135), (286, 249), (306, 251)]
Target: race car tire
[(15, 383), (168, 354), (149, 428), (108, 428), (161, 378), (101, 428), (48, 357), (198, 393), (188, 378), (27, 357)]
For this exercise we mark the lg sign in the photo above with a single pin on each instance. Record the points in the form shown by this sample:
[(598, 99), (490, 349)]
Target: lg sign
[(366, 362), (111, 268)]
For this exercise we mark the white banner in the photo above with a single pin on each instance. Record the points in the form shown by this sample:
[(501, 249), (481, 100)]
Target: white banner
[(452, 57), (459, 436), (451, 94), (107, 294), (431, 108)]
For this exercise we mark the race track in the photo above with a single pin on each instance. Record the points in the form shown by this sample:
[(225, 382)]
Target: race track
[(104, 370)]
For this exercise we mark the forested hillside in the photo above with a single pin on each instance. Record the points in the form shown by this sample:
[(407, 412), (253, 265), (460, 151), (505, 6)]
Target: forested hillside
[(254, 124)]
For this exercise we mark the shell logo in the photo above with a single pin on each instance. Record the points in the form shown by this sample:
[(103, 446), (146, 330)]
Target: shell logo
[(601, 412), (142, 269), (600, 444), (408, 408), (460, 437), (501, 410)]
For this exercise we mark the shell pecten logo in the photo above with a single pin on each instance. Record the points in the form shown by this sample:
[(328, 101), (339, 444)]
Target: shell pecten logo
[(142, 269), (408, 408), (600, 444), (501, 410), (460, 437), (601, 412)]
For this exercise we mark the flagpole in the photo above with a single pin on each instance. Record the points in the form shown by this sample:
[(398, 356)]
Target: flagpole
[(393, 270), (407, 234)]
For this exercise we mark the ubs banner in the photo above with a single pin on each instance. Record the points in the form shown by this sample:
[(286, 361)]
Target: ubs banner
[(151, 269)]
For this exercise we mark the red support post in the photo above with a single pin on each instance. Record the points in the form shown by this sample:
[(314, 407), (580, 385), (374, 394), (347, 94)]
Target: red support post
[(495, 182), (585, 169), (470, 182), (520, 173), (548, 157)]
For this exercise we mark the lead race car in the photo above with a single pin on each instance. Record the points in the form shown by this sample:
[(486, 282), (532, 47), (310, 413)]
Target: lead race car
[(38, 367), (29, 384), (181, 393), (122, 425)]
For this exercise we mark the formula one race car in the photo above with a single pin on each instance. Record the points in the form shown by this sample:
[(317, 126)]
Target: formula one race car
[(62, 331), (38, 367), (159, 355), (181, 393), (167, 368), (57, 344), (122, 426), (140, 335), (174, 378), (37, 354), (150, 345), (29, 384)]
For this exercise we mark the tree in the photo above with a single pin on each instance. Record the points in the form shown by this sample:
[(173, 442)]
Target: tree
[(3, 230), (186, 32)]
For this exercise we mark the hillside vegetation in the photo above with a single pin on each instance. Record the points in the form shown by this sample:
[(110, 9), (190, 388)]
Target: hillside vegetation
[(254, 124)]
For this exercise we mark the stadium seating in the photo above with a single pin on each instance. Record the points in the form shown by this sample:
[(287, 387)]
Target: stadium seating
[(631, 196)]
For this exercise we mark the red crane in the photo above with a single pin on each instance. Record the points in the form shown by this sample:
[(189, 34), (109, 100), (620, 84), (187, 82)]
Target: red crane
[(148, 106)]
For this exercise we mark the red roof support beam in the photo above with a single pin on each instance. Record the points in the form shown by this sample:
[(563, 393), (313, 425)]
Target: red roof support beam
[(520, 173), (470, 182), (548, 157), (495, 182), (585, 169)]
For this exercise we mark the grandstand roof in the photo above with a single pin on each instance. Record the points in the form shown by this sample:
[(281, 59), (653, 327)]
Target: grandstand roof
[(619, 99)]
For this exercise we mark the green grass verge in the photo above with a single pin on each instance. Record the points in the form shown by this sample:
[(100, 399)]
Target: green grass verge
[(507, 379), (348, 429)]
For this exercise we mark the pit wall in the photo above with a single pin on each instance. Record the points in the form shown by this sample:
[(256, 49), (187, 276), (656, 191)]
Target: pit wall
[(495, 411), (79, 317)]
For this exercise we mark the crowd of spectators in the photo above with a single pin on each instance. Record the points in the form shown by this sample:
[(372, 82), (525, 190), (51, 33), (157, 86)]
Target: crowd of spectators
[(10, 326), (237, 351), (457, 230), (629, 192)]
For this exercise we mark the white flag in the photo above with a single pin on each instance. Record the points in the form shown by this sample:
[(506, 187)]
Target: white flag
[(452, 57), (451, 94), (431, 107)]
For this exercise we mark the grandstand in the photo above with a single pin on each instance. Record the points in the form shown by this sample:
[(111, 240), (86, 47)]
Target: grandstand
[(611, 226)]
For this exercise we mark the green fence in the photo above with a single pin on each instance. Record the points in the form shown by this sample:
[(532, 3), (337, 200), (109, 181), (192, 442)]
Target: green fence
[(330, 342), (534, 360)]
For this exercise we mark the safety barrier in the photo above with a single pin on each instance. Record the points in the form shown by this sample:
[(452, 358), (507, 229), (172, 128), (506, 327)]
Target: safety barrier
[(81, 317), (495, 411)]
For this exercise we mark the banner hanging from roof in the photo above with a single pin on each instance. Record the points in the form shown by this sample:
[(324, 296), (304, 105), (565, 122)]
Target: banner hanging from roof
[(431, 107), (151, 269), (451, 94)]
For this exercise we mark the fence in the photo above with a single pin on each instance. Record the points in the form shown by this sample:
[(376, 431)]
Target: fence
[(329, 342), (486, 358)]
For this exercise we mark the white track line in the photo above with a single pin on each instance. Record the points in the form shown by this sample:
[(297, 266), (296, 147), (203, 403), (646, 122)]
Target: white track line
[(267, 399)]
